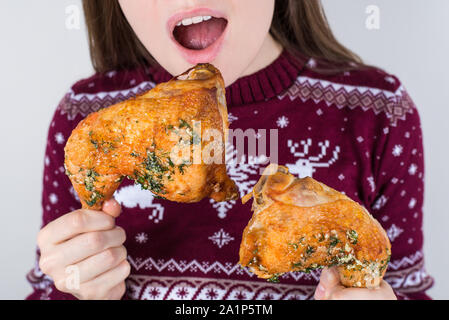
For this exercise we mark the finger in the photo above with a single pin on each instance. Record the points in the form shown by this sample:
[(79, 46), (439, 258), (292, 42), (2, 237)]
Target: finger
[(354, 294), (329, 280), (83, 246), (73, 224), (329, 277), (112, 208), (117, 292), (100, 287), (383, 292), (388, 291), (98, 264)]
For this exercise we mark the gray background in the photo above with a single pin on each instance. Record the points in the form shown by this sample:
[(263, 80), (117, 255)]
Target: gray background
[(40, 59)]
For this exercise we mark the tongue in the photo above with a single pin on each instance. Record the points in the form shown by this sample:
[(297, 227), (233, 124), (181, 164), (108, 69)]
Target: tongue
[(201, 35)]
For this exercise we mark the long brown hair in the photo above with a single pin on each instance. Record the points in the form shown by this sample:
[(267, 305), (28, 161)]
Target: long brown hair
[(300, 26)]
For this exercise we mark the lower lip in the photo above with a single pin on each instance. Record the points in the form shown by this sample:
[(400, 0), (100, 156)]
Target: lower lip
[(205, 55)]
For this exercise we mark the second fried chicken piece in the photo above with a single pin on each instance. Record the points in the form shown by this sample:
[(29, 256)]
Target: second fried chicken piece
[(302, 224)]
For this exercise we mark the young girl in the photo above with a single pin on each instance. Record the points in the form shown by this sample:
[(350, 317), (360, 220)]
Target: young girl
[(348, 125)]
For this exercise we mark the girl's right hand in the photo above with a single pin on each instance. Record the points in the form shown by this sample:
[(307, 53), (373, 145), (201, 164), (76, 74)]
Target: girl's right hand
[(83, 253)]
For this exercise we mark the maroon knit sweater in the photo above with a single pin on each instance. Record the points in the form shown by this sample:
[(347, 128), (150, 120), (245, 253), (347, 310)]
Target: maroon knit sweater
[(358, 132)]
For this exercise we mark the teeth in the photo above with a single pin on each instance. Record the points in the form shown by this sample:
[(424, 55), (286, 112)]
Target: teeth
[(187, 22), (197, 19), (193, 20)]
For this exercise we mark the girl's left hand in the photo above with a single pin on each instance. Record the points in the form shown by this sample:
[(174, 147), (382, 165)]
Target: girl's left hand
[(330, 288)]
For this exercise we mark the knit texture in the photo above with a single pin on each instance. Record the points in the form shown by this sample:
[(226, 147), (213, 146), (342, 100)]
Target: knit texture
[(357, 131)]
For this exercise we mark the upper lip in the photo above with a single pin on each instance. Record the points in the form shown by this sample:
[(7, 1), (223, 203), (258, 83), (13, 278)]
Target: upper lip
[(177, 17)]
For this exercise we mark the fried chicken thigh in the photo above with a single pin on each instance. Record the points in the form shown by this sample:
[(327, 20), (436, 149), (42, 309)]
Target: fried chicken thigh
[(156, 139), (302, 224)]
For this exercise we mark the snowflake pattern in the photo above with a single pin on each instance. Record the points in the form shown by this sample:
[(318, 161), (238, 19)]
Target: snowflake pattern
[(397, 150), (412, 203), (393, 232), (182, 293), (154, 293), (240, 295), (412, 169), (59, 138), (211, 294), (221, 238), (141, 237), (231, 118), (371, 183), (53, 198), (282, 122), (268, 296), (380, 202)]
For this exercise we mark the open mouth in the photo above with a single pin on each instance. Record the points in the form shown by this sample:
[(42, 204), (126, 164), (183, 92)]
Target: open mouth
[(199, 32)]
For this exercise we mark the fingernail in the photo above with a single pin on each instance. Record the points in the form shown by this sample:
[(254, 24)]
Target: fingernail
[(320, 292)]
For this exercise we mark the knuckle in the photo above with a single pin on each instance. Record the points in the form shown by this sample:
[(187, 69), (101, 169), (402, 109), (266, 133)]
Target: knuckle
[(122, 234), (60, 284), (41, 239), (108, 221), (123, 252), (126, 268), (88, 292), (95, 240), (121, 289), (47, 264), (117, 292), (77, 219), (110, 256)]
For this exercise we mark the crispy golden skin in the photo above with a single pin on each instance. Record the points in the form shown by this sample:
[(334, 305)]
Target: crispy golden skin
[(301, 225), (144, 139)]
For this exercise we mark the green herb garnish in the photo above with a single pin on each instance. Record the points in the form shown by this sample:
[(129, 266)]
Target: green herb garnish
[(352, 236), (274, 278)]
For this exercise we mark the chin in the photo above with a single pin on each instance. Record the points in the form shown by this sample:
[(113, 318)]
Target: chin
[(230, 72)]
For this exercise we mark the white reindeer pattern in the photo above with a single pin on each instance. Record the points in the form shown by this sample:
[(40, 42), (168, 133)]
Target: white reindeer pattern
[(306, 165)]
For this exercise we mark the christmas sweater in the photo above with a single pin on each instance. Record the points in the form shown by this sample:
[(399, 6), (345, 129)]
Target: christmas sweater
[(356, 131)]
